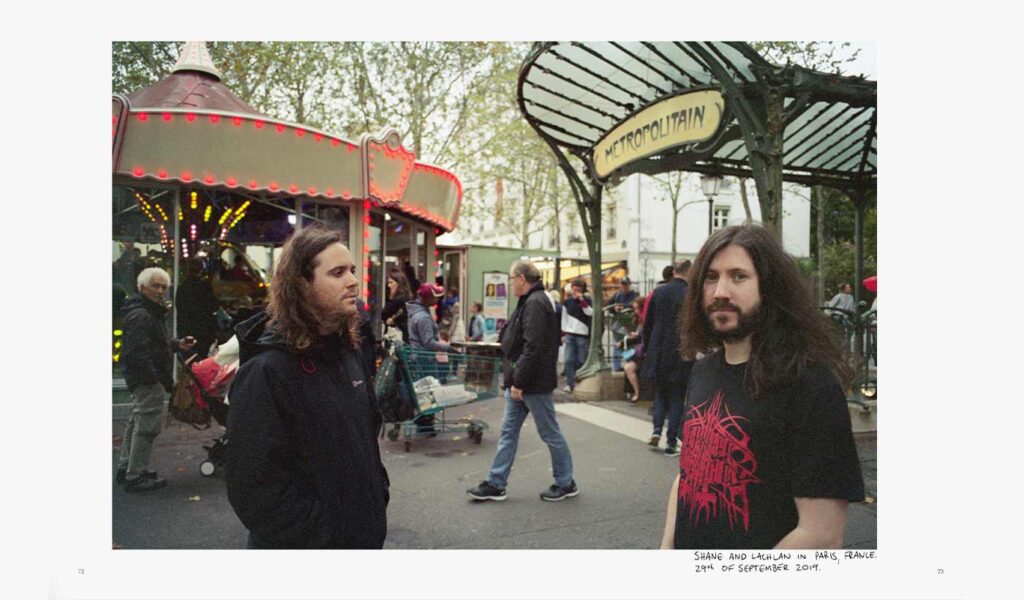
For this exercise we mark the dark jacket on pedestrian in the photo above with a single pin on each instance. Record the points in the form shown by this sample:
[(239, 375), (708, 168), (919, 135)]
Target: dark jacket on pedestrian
[(147, 353), (423, 331), (661, 335), (395, 307), (303, 468), (529, 344), (197, 312)]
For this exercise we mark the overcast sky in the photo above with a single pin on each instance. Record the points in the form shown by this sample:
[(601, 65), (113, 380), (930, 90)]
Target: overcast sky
[(865, 63)]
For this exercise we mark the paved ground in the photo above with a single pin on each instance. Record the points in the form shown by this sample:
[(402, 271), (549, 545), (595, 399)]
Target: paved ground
[(624, 488)]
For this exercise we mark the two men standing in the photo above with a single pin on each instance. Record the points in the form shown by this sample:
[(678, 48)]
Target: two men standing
[(529, 345)]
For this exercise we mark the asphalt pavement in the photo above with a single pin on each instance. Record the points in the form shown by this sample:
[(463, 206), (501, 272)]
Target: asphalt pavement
[(623, 488)]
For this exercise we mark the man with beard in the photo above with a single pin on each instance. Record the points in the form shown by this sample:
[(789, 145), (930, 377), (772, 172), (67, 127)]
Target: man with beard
[(768, 458), (303, 466)]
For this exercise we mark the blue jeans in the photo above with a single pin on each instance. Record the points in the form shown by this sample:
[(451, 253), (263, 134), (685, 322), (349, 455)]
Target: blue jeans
[(543, 408), (576, 348), (617, 351), (669, 398)]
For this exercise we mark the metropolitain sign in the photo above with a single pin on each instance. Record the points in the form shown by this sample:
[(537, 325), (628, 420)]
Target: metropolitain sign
[(684, 119)]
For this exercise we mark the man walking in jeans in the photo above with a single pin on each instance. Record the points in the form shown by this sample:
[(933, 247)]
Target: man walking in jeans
[(529, 343)]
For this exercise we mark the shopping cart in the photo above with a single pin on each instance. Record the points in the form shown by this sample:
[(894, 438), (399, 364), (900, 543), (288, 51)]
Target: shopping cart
[(437, 381)]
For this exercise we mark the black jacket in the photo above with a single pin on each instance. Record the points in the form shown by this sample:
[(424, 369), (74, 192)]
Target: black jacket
[(303, 466), (395, 307), (529, 343), (146, 351), (661, 335)]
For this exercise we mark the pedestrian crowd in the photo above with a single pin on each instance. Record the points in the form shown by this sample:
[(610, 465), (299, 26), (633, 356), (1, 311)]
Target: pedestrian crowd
[(748, 391)]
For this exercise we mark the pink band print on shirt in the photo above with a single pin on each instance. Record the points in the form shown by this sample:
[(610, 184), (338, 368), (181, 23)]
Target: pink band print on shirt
[(716, 465)]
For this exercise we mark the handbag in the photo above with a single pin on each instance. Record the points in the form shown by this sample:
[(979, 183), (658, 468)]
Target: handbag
[(186, 403)]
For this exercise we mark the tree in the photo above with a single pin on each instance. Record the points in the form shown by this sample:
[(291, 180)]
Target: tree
[(136, 65), (829, 57), (673, 183)]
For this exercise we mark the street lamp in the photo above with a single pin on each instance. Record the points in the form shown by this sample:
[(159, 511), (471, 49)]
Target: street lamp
[(709, 185)]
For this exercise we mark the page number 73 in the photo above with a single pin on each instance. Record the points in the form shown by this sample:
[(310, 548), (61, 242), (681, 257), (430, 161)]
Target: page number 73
[(940, 571)]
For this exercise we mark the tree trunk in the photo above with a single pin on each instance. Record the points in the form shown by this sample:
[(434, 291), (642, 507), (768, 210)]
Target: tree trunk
[(776, 125), (595, 356), (746, 201), (820, 202), (675, 224)]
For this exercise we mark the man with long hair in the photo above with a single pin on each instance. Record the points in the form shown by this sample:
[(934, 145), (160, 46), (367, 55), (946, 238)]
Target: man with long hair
[(303, 466), (767, 456)]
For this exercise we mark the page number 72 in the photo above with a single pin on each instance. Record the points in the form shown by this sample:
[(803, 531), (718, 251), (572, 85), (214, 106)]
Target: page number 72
[(940, 571)]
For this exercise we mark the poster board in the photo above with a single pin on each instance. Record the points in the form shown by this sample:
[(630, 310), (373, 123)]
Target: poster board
[(495, 304)]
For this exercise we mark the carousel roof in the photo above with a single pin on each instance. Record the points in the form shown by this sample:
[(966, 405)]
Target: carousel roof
[(190, 128), (193, 83)]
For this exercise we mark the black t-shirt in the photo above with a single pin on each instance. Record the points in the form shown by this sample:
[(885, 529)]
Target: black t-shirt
[(744, 461)]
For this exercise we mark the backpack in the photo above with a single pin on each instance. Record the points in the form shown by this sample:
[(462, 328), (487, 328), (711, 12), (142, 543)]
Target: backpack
[(386, 387)]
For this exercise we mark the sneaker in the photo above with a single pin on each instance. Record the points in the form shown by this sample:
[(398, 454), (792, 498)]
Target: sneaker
[(122, 474), (557, 492), (486, 491), (147, 482), (672, 450), (655, 440), (567, 390)]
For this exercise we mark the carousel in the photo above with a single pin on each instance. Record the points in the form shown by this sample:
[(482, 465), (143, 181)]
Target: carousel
[(206, 186)]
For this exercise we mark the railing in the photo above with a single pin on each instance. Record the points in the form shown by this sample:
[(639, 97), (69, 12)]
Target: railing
[(612, 320), (856, 335)]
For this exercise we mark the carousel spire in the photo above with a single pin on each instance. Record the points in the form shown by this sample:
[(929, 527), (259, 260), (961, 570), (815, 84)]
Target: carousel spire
[(195, 57)]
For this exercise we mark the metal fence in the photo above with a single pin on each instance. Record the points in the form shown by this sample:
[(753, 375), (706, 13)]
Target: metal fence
[(856, 336)]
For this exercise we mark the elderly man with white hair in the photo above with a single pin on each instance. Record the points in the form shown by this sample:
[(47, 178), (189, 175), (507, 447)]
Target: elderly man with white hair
[(147, 359)]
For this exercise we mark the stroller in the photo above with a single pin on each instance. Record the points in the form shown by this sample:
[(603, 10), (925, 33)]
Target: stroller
[(201, 393)]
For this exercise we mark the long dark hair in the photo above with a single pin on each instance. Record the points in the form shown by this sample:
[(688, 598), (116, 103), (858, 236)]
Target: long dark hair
[(290, 306), (792, 333), (403, 284)]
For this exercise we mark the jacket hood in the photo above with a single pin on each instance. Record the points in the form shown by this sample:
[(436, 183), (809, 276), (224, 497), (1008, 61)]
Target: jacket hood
[(412, 308), (256, 335), (138, 301)]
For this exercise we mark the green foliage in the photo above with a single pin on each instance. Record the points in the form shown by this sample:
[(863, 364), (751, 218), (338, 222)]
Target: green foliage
[(136, 65), (828, 57), (839, 248)]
